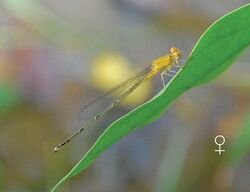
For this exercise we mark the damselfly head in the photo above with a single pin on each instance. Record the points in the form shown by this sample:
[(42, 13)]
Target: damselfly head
[(176, 53)]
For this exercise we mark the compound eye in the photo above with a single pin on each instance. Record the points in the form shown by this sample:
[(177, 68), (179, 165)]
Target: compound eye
[(176, 52)]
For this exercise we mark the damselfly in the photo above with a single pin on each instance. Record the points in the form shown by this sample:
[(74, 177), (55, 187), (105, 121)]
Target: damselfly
[(162, 64)]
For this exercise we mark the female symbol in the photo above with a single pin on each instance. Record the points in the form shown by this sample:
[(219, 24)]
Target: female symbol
[(219, 144)]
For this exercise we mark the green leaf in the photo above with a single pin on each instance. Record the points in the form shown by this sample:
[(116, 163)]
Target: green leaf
[(217, 48)]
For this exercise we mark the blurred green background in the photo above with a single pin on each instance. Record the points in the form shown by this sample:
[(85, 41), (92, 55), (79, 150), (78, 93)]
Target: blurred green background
[(57, 55)]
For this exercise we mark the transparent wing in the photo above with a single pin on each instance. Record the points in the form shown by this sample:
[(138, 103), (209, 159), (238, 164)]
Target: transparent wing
[(95, 106), (130, 86)]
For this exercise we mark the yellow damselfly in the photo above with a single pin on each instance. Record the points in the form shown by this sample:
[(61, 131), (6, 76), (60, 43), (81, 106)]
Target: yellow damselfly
[(162, 64)]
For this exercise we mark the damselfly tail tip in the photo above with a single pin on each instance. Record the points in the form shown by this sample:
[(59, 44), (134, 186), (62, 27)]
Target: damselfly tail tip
[(56, 149)]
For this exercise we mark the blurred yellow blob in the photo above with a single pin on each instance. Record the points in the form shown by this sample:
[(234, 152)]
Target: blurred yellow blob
[(109, 70)]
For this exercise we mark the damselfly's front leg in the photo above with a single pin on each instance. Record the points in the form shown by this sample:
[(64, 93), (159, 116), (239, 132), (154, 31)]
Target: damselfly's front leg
[(180, 63)]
